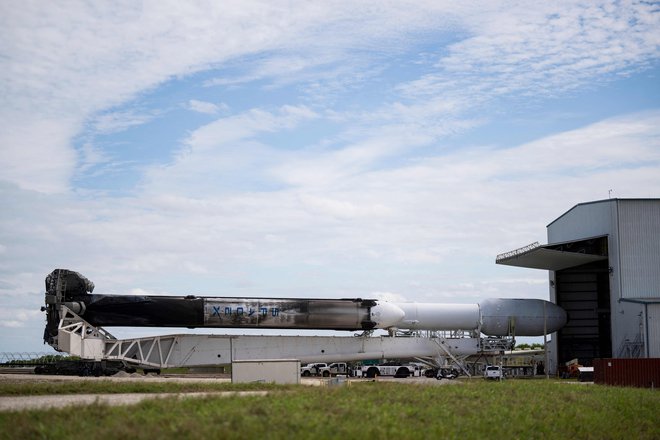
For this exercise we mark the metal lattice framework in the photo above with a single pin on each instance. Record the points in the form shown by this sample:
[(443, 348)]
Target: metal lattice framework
[(78, 337), (516, 252), (153, 351)]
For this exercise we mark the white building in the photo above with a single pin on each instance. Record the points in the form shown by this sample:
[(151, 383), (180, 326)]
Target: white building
[(604, 263)]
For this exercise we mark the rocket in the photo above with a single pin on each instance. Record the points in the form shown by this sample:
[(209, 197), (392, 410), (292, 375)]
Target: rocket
[(493, 317)]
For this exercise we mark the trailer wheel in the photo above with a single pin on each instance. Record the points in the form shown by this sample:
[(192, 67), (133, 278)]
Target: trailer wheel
[(372, 372)]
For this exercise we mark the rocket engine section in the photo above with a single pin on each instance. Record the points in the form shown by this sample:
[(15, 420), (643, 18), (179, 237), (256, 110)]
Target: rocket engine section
[(494, 317)]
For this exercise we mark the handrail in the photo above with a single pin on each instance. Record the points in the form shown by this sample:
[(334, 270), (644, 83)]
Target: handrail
[(516, 252)]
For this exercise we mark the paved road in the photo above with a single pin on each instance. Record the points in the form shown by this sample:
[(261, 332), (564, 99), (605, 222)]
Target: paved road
[(18, 403)]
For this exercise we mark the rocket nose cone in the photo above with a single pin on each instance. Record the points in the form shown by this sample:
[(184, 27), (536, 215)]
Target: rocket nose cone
[(386, 315)]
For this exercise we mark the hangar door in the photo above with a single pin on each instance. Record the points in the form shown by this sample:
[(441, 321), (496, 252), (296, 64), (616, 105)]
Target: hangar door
[(584, 292)]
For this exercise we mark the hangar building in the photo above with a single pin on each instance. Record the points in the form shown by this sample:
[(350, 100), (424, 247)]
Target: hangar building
[(604, 263)]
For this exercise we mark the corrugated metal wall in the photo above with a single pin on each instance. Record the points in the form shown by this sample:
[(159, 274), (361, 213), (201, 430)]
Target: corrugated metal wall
[(653, 330), (583, 221), (639, 241), (642, 373)]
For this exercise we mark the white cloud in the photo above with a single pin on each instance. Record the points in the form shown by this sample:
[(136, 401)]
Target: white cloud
[(543, 50), (18, 317), (224, 131), (389, 296), (111, 122), (37, 153), (63, 65), (441, 211), (208, 108), (91, 155), (224, 155), (340, 208)]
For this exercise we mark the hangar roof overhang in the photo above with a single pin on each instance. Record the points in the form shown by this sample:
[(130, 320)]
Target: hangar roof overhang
[(536, 256)]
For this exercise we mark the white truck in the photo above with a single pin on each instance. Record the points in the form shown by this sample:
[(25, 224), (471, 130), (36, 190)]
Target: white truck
[(391, 369), (493, 372), (334, 369), (313, 369)]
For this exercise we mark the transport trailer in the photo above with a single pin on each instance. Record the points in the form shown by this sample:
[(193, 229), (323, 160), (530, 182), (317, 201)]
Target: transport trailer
[(81, 367)]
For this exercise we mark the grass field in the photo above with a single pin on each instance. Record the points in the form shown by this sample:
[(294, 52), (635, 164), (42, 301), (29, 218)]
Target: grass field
[(368, 410)]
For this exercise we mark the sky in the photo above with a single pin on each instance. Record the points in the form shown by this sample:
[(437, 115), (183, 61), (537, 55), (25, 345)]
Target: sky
[(329, 149)]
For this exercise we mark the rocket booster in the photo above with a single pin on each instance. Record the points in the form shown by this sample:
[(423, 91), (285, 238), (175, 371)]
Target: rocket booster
[(493, 317)]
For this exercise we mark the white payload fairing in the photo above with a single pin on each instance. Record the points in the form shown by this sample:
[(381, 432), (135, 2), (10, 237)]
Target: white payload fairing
[(493, 317)]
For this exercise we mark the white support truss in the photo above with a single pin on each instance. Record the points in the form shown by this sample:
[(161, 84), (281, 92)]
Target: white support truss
[(444, 348), (80, 338), (152, 352)]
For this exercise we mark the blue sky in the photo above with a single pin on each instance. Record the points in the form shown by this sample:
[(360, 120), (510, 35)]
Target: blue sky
[(329, 149)]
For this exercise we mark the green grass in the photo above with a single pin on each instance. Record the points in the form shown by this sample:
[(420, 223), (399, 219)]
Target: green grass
[(369, 410)]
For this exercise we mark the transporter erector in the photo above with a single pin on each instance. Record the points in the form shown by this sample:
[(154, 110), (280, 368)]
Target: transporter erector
[(76, 322)]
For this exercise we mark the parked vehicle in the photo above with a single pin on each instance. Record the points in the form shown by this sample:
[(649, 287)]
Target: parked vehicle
[(312, 369), (334, 369), (447, 373), (493, 372)]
